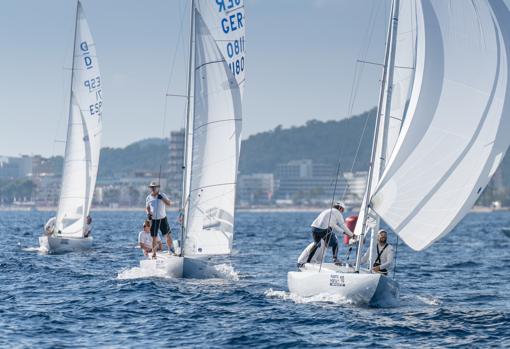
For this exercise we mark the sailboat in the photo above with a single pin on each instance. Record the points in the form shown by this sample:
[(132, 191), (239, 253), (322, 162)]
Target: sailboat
[(213, 139), (82, 146), (441, 132)]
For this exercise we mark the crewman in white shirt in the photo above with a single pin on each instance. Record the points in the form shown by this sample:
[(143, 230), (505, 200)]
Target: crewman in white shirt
[(383, 254), (145, 239), (156, 204), (324, 227)]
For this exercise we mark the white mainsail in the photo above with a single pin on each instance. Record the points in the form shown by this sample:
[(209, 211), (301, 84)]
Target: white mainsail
[(217, 114), (226, 21), (455, 132), (83, 134)]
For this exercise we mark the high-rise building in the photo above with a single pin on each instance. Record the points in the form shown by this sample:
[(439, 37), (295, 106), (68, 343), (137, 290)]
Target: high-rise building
[(255, 189), (16, 167), (305, 180), (176, 162)]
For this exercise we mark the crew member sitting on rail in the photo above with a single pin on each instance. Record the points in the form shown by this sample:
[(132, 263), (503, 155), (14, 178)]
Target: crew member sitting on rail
[(324, 227), (49, 227), (87, 230), (383, 254), (145, 239)]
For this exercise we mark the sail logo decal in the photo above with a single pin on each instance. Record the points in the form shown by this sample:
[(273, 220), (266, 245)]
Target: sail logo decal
[(87, 60), (232, 22), (336, 280), (93, 84)]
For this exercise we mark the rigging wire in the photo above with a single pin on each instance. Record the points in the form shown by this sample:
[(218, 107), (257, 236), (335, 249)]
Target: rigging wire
[(165, 112), (352, 99), (395, 262)]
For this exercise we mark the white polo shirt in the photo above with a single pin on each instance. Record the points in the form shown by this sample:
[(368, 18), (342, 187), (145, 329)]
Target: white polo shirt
[(157, 206), (146, 238)]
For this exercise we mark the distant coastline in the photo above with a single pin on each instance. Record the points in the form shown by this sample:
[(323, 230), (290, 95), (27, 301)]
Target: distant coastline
[(477, 209)]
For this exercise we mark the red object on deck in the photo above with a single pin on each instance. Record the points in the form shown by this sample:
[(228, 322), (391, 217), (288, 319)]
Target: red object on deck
[(350, 222)]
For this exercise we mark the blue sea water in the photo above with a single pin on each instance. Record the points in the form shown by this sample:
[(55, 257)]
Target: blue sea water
[(454, 294)]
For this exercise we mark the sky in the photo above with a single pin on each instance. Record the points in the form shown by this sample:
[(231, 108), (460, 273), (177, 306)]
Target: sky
[(300, 65)]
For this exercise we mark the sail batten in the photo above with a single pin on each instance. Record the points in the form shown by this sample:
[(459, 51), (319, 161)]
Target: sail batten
[(453, 133)]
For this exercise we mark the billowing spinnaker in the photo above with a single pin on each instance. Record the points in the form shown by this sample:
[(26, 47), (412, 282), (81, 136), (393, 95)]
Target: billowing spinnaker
[(403, 76), (226, 20), (83, 134), (455, 133), (215, 153)]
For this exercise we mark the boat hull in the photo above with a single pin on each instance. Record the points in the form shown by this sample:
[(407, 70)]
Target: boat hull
[(57, 244), (165, 265), (362, 288), (180, 267)]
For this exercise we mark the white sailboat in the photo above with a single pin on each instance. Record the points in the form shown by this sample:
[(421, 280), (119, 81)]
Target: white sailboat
[(82, 146), (213, 139), (441, 133)]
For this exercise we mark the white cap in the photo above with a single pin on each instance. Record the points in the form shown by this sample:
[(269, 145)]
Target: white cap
[(339, 203)]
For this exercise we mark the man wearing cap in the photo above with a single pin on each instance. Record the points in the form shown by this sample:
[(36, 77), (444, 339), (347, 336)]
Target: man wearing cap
[(324, 227), (156, 203), (383, 254)]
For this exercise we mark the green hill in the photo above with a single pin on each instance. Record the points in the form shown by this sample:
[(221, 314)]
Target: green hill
[(325, 142), (321, 141)]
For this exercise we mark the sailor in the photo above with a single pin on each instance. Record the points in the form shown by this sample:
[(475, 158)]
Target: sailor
[(145, 239), (49, 227), (155, 204), (383, 254), (87, 230), (324, 227)]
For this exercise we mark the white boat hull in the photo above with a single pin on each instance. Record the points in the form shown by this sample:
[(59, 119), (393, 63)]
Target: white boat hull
[(58, 244), (362, 288), (168, 265), (165, 264)]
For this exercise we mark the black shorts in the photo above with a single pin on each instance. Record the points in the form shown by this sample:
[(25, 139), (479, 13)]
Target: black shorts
[(160, 224)]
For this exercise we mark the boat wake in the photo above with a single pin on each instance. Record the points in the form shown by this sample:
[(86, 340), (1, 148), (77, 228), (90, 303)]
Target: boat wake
[(428, 300), (139, 273), (319, 298), (226, 271), (37, 249)]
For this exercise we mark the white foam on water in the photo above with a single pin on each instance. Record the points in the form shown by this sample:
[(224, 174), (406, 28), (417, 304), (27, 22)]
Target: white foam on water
[(226, 271), (139, 273), (428, 300), (320, 298), (38, 249)]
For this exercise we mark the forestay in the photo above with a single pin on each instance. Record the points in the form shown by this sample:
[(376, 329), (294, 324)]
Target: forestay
[(215, 151), (455, 132), (83, 134), (403, 76)]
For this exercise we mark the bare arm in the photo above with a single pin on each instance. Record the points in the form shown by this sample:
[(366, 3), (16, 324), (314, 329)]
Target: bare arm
[(165, 199)]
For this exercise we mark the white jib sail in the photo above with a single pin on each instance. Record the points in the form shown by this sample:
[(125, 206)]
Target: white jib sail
[(215, 151), (83, 134), (455, 133)]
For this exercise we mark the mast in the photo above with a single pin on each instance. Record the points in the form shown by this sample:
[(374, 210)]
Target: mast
[(184, 194), (384, 103)]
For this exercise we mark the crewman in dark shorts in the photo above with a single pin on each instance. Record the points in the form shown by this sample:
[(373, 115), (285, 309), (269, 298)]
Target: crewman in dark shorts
[(156, 204)]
